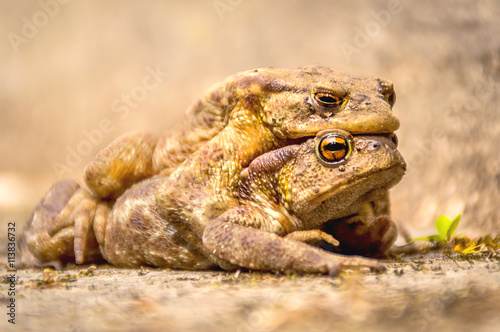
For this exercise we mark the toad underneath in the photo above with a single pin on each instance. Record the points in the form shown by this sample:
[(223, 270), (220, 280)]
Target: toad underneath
[(284, 197)]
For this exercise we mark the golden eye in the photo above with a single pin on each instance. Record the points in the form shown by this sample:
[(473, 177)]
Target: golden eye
[(333, 149), (327, 99)]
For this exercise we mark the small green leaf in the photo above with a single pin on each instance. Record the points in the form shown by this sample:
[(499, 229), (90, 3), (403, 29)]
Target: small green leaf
[(453, 226), (443, 224), (445, 227), (435, 237), (423, 238)]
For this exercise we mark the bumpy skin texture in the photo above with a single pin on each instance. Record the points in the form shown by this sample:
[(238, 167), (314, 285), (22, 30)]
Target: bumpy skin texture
[(268, 109), (284, 195), (281, 194), (288, 191), (134, 233), (242, 117), (239, 119)]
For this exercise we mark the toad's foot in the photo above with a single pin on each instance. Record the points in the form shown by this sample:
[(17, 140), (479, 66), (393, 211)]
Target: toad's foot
[(312, 235), (60, 229), (361, 237)]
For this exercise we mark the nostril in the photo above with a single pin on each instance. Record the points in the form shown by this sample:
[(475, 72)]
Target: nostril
[(373, 146), (361, 98)]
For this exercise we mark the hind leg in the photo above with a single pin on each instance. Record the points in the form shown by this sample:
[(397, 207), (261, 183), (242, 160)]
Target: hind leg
[(60, 229)]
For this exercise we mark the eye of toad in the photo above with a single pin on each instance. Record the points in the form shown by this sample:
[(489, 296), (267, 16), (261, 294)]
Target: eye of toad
[(333, 149), (327, 100)]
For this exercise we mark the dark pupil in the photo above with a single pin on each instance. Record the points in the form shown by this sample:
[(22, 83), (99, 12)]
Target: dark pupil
[(335, 146), (328, 99)]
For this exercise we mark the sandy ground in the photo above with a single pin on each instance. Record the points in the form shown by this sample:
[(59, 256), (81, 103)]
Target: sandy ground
[(422, 293), (64, 66)]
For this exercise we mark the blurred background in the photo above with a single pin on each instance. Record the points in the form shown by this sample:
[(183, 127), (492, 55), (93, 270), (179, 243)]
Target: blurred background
[(74, 75)]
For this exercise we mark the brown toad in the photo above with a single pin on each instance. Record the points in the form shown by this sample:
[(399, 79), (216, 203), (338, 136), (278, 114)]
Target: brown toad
[(239, 119), (283, 195)]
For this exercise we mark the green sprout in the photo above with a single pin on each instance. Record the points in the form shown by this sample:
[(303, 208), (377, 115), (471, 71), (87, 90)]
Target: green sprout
[(462, 245), (445, 227)]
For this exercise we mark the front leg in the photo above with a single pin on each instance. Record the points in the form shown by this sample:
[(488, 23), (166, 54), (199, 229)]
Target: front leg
[(124, 162), (261, 250)]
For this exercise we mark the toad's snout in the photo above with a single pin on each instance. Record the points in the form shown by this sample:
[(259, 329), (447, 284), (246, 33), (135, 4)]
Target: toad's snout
[(381, 150)]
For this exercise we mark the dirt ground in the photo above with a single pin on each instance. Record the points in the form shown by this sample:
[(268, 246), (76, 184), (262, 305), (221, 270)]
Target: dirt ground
[(66, 66), (421, 293)]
